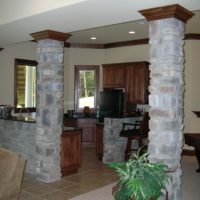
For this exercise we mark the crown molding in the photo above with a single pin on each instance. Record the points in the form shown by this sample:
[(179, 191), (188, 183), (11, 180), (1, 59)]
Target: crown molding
[(192, 36), (126, 43), (188, 36), (175, 11), (82, 45), (50, 34)]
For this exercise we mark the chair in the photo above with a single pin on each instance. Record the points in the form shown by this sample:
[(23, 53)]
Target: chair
[(11, 173), (138, 132)]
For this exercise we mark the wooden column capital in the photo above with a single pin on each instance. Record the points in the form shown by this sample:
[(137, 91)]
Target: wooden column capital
[(50, 34), (170, 11)]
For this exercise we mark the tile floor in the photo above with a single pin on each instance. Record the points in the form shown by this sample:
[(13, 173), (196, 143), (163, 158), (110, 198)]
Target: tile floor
[(93, 174)]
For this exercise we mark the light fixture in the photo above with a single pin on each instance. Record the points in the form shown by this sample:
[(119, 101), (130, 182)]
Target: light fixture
[(131, 32), (93, 38)]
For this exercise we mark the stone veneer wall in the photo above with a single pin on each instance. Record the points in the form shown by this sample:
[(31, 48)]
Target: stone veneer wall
[(19, 137), (166, 97), (50, 76), (114, 145)]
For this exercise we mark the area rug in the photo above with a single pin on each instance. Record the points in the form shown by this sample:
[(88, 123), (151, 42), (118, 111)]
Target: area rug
[(103, 193)]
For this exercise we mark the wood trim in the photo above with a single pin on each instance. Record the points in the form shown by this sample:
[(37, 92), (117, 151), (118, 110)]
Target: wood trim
[(128, 63), (192, 36), (175, 11), (81, 45), (197, 113), (50, 34), (126, 43), (188, 36), (21, 62), (187, 152), (76, 84)]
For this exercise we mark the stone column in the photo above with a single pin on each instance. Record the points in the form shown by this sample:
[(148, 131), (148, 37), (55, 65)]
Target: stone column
[(166, 34), (49, 104)]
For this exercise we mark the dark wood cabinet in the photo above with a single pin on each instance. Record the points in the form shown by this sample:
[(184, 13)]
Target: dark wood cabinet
[(137, 82), (88, 131), (70, 151), (99, 141), (113, 76), (88, 126), (132, 76)]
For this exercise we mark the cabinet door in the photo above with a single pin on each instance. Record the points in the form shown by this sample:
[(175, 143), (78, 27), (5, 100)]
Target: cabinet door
[(118, 76), (88, 132), (130, 84), (108, 76), (70, 152), (113, 76), (99, 141), (136, 84), (140, 85)]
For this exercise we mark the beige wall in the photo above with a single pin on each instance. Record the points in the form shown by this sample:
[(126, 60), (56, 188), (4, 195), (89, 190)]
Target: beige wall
[(25, 50), (192, 88), (127, 54), (76, 56)]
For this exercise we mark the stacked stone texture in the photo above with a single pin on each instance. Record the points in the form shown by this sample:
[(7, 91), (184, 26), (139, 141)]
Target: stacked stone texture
[(166, 97), (19, 137), (114, 146), (49, 109)]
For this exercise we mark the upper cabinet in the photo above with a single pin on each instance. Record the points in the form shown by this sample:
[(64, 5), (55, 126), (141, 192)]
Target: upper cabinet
[(133, 77), (113, 76), (137, 82)]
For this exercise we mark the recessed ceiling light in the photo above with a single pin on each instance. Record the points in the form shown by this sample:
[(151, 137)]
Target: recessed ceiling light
[(93, 38), (131, 32)]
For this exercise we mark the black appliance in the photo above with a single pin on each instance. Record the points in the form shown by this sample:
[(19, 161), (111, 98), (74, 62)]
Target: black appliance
[(111, 104)]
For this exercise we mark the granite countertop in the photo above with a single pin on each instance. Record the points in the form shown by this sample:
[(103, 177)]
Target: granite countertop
[(20, 119), (70, 128), (80, 116)]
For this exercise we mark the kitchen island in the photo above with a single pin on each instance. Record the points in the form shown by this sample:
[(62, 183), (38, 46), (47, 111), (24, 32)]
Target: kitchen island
[(113, 145)]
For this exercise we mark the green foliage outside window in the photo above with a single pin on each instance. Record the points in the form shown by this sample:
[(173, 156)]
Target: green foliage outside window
[(87, 83)]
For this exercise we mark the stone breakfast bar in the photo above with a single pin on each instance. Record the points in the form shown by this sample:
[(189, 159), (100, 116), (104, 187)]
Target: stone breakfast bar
[(113, 145), (19, 135)]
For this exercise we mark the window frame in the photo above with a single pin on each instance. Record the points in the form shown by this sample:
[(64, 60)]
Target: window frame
[(17, 62), (76, 86)]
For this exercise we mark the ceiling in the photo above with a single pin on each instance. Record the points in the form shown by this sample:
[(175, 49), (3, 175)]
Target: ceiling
[(108, 20), (120, 32)]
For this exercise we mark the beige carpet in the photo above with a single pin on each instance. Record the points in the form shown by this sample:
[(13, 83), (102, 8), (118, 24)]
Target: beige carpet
[(191, 183)]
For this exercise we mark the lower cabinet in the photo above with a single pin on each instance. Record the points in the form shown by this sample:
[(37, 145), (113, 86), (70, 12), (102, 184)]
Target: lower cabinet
[(88, 126), (88, 132), (99, 141), (70, 151)]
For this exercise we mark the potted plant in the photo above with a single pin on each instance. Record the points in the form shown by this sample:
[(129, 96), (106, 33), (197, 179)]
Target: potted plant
[(138, 179)]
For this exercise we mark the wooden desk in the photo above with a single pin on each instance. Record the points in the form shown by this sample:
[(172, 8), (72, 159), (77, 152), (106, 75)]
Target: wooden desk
[(193, 139)]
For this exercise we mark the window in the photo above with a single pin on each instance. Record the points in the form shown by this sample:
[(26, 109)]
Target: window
[(86, 87), (25, 85)]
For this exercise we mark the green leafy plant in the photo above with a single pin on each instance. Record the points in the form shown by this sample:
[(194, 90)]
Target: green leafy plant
[(139, 179)]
